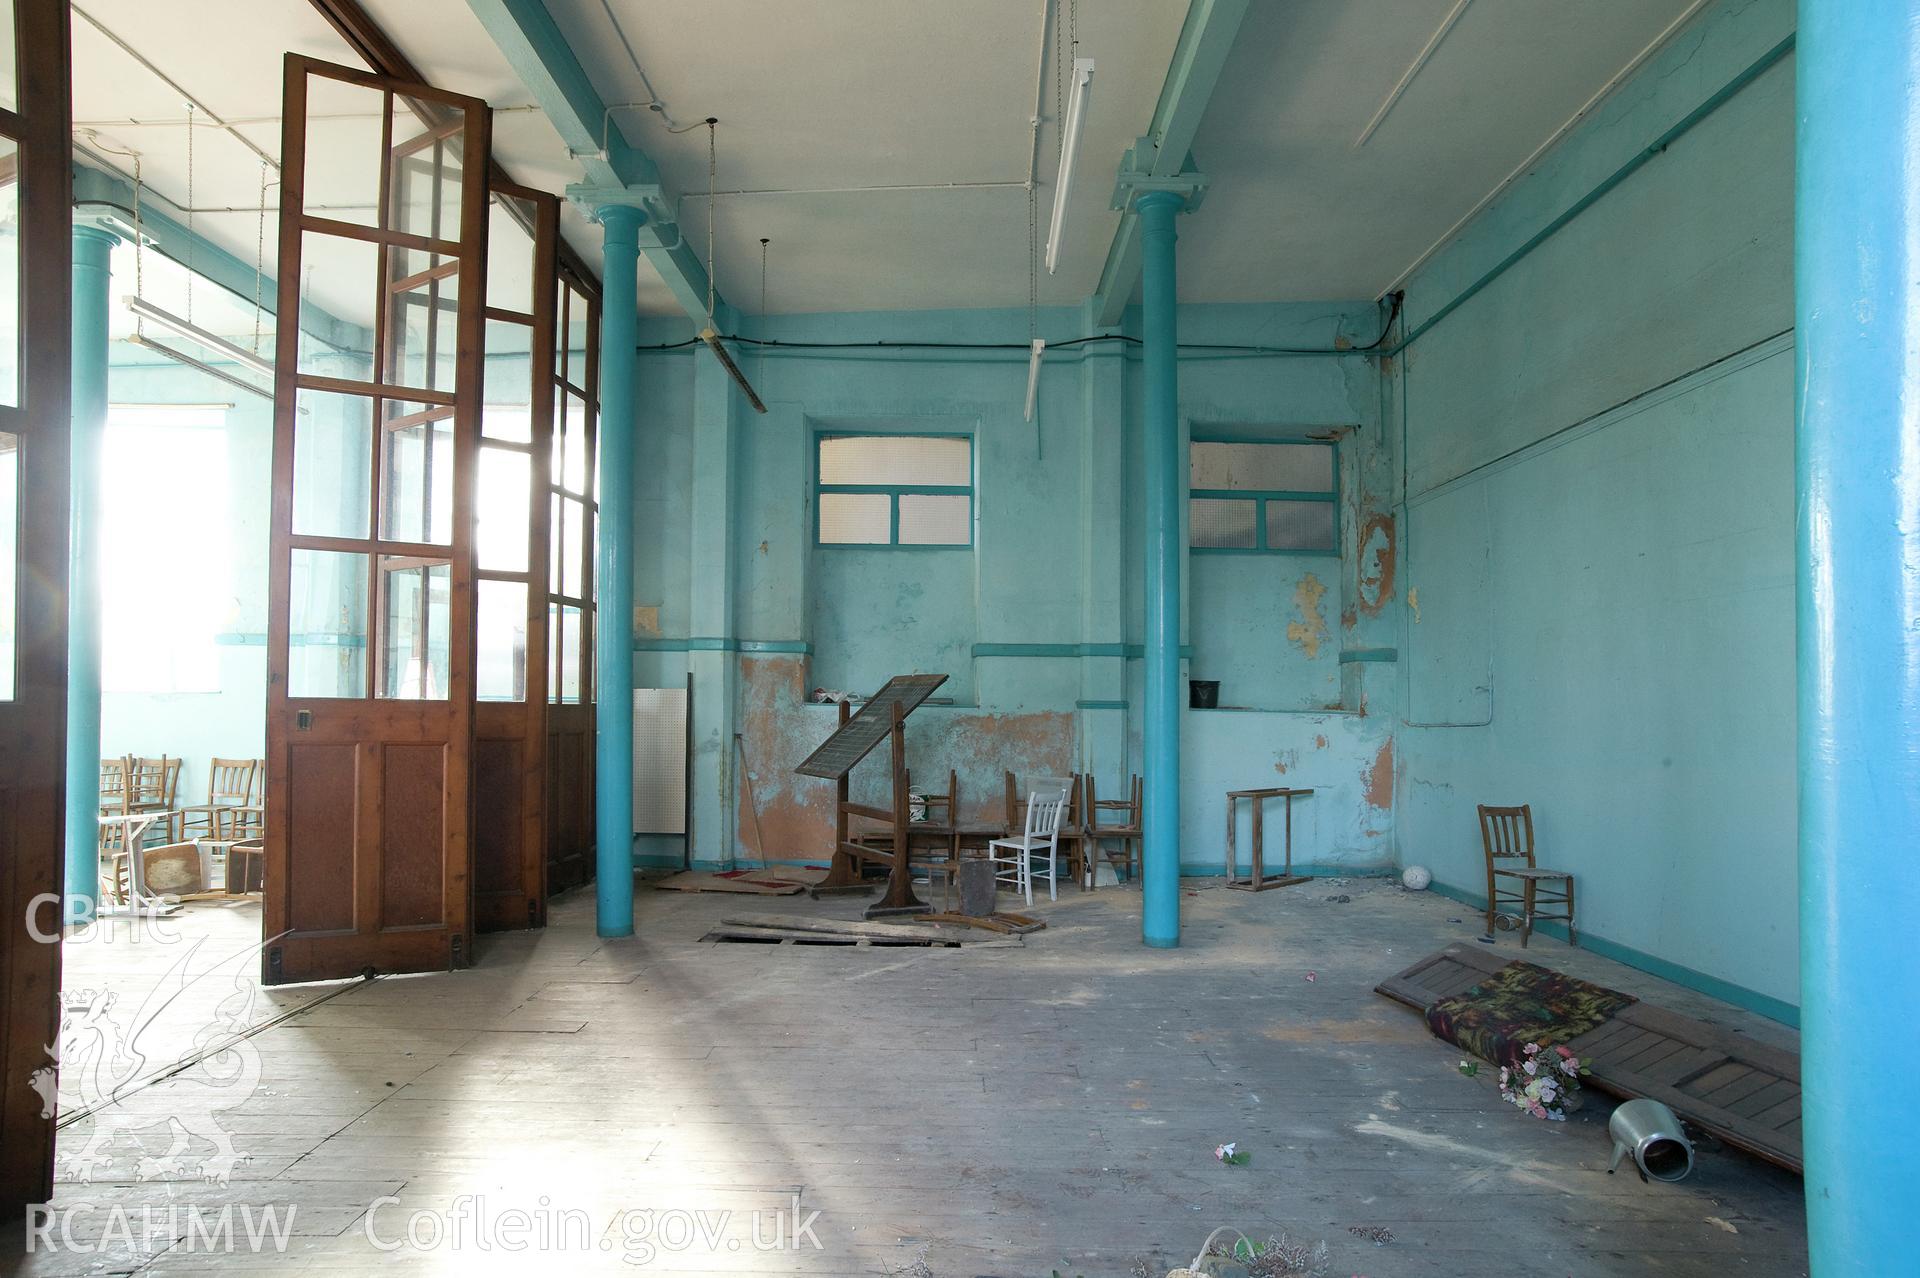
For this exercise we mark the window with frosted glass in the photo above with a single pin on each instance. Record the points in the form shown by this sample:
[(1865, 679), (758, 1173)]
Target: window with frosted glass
[(1263, 498), (894, 490)]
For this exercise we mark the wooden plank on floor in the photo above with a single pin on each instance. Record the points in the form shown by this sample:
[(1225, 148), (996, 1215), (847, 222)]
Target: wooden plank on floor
[(1742, 1090)]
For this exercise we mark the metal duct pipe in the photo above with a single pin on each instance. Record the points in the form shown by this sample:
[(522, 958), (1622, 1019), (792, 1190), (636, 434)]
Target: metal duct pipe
[(1652, 1133)]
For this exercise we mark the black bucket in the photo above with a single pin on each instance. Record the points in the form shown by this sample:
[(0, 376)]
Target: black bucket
[(1203, 694)]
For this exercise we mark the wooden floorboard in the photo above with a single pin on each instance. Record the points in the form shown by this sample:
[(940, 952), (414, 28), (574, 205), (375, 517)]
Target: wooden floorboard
[(990, 1110)]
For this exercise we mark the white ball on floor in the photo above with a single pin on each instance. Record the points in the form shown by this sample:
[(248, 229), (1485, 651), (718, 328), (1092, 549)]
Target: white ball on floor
[(1416, 877)]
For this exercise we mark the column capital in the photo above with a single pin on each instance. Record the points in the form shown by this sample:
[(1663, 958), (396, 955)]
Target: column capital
[(596, 201), (1136, 180), (96, 231)]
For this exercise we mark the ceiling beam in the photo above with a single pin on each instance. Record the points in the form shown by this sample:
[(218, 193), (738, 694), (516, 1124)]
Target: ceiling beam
[(383, 57), (546, 64), (1205, 40)]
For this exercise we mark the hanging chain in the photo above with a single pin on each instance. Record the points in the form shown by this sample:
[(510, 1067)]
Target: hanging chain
[(259, 256), (1059, 84), (760, 364), (713, 165), (1033, 260), (190, 206)]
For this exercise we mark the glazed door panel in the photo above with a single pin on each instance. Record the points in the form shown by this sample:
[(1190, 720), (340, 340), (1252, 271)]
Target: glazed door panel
[(371, 653), (512, 559), (573, 514)]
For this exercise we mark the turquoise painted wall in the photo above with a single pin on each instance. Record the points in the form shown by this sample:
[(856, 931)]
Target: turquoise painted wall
[(1598, 525), (228, 721), (1033, 622)]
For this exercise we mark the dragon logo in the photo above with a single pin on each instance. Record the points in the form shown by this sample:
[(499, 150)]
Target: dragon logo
[(98, 1060)]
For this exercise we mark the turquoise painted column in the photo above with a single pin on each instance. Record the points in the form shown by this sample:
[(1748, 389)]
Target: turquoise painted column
[(92, 280), (1160, 857), (1857, 477), (613, 570)]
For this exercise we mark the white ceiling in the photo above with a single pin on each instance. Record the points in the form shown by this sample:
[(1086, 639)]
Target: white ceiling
[(1299, 210), (821, 102), (859, 94)]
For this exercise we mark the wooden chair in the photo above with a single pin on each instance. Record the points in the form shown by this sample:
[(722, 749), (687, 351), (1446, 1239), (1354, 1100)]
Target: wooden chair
[(938, 823), (1072, 822), (153, 785), (1125, 832), (229, 791), (1013, 856), (116, 866), (1507, 835), (250, 818), (113, 785)]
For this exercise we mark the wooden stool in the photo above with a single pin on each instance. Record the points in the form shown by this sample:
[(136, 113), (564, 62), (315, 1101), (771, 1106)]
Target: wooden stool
[(1260, 880)]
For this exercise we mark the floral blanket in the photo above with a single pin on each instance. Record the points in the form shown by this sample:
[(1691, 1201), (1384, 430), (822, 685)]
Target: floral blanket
[(1521, 1004)]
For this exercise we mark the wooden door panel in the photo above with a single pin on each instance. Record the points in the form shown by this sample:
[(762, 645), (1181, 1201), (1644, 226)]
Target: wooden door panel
[(322, 805), (34, 448), (413, 832)]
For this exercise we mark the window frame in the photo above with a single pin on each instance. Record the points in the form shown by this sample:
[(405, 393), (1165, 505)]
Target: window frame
[(1260, 497), (893, 492)]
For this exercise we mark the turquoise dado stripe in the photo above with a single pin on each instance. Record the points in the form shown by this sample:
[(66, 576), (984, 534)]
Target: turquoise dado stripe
[(1132, 651), (1099, 705), (1354, 655), (254, 639), (705, 644)]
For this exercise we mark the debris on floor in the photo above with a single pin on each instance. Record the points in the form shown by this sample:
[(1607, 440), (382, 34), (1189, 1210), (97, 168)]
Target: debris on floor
[(1490, 1005), (1231, 1156), (1280, 1256), (801, 929), (751, 882), (1378, 1235)]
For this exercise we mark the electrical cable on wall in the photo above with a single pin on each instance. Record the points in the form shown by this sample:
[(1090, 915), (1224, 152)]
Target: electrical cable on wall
[(881, 344)]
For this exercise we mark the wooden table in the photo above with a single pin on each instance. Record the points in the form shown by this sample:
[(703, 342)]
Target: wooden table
[(1259, 880), (139, 900)]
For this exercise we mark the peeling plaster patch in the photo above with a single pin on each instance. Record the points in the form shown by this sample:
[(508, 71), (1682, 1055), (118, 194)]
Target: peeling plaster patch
[(1311, 630), (1287, 759), (646, 620), (796, 813), (1413, 602), (1380, 777), (1320, 742), (1377, 556)]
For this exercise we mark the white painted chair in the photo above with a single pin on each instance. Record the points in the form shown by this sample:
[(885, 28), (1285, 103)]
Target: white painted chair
[(1013, 857)]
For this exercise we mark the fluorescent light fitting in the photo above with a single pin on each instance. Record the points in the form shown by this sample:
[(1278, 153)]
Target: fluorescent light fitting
[(1033, 373), (712, 339), (200, 336), (181, 357), (1069, 151)]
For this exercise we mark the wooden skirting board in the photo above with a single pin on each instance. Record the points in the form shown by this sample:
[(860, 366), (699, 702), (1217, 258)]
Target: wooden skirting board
[(1743, 1091)]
